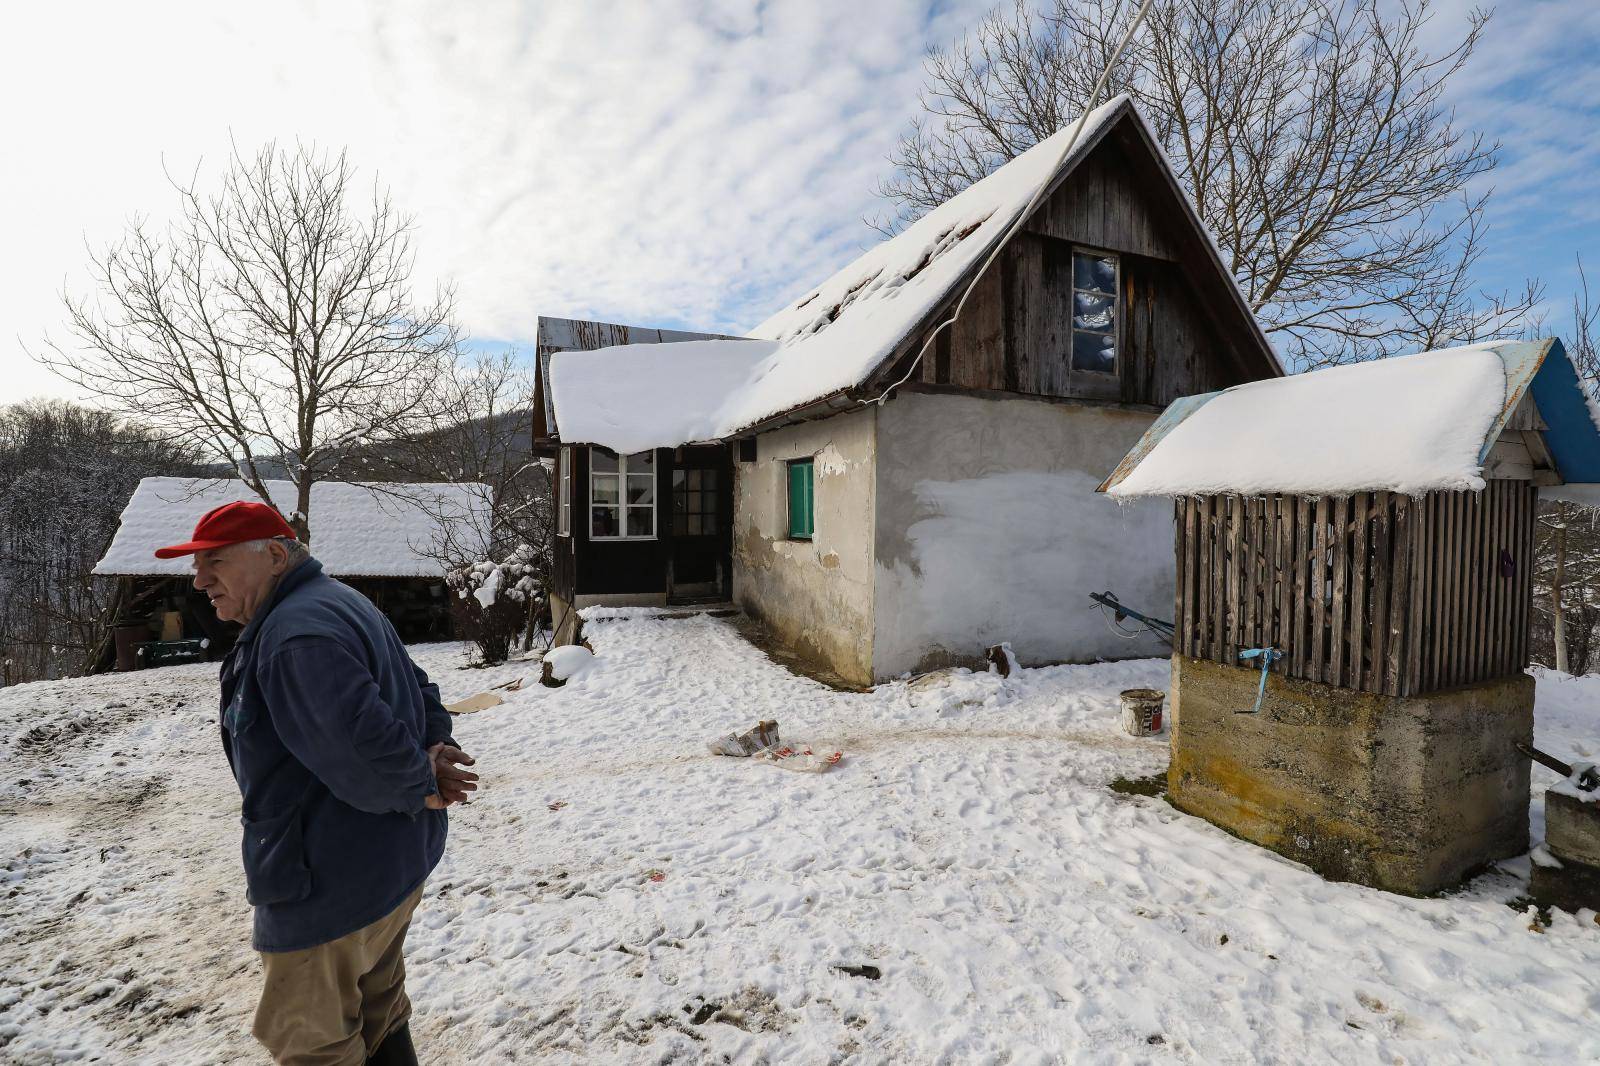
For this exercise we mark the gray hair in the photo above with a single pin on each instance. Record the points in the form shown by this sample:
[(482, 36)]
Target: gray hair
[(297, 550)]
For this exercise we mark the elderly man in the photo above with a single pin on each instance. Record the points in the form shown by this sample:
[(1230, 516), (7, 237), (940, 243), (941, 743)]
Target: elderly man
[(345, 762)]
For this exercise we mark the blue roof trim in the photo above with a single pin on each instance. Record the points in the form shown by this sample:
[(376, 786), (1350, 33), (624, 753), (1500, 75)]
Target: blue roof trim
[(1176, 412), (1573, 438)]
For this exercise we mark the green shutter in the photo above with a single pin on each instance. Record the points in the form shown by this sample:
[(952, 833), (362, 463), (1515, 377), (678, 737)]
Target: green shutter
[(801, 521)]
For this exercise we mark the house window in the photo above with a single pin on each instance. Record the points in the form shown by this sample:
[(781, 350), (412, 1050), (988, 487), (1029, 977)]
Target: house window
[(564, 492), (694, 503), (622, 495), (802, 515), (1094, 312)]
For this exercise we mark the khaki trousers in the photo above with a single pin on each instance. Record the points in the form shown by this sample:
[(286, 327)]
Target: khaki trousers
[(333, 1004)]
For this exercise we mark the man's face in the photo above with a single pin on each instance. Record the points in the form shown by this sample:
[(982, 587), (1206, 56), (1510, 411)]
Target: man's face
[(238, 578)]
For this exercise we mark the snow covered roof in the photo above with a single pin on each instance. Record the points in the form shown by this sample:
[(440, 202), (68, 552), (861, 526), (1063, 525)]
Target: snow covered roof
[(554, 335), (355, 532), (834, 338), (1411, 424)]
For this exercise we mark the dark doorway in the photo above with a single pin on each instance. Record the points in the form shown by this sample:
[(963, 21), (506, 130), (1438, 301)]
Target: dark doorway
[(702, 519)]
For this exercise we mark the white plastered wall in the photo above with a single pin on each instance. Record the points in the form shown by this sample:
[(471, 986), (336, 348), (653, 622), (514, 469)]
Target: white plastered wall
[(989, 529)]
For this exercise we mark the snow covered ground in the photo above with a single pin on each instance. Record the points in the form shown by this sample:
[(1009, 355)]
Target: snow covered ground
[(617, 895)]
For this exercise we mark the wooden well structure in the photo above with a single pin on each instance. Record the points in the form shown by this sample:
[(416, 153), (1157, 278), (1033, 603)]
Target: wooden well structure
[(1392, 601), (1378, 592)]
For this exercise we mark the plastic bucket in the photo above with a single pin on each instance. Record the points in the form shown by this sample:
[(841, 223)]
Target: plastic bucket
[(1141, 711)]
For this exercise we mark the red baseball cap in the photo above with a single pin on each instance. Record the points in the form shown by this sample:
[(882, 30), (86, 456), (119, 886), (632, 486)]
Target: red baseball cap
[(232, 523)]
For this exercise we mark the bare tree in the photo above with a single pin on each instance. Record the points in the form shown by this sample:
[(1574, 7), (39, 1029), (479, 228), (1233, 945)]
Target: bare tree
[(272, 322), (1311, 134), (496, 557), (66, 473), (1567, 556), (478, 431)]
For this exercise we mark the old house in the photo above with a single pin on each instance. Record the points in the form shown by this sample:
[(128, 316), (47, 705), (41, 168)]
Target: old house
[(1355, 553), (377, 540), (888, 510), (637, 552)]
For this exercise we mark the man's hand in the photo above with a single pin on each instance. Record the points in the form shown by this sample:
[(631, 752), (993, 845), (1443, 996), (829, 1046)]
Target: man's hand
[(455, 784)]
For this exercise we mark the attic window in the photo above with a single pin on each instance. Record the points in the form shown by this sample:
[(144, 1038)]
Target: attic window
[(1094, 312)]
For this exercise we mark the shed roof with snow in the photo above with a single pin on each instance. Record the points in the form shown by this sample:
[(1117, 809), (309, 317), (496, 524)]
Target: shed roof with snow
[(1411, 424), (840, 335), (356, 531)]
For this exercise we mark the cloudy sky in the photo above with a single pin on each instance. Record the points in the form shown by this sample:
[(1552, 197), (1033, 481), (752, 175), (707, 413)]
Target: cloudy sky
[(671, 162)]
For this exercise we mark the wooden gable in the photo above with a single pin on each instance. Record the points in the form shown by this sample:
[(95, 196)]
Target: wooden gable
[(1180, 324)]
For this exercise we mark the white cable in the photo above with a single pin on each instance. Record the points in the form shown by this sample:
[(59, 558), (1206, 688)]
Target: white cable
[(1026, 213)]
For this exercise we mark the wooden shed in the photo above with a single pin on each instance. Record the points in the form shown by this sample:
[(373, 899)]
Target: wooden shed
[(1367, 530), (374, 538)]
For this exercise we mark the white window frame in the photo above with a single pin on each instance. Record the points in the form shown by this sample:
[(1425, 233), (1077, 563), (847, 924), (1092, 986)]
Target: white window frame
[(622, 499), (1116, 311), (564, 487)]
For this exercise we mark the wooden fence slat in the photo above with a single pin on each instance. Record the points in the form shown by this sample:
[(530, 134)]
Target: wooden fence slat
[(1480, 616), (1416, 549), (1318, 597), (1453, 620), (1247, 577), (1378, 606), (1463, 634), (1300, 646), (1180, 552), (1506, 577), (1283, 633), (1399, 595), (1191, 586), (1495, 660), (1236, 568), (1530, 518), (1203, 575), (1360, 575), (1473, 598), (1436, 615), (1219, 575), (1339, 569)]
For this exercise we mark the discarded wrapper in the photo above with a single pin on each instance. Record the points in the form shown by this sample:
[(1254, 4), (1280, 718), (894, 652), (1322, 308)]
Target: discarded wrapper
[(804, 760), (762, 736)]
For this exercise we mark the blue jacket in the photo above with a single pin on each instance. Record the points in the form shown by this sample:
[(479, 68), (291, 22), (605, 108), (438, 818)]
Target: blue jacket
[(326, 722)]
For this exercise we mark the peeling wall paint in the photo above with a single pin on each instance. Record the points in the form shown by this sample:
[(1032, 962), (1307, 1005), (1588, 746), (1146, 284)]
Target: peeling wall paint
[(815, 595)]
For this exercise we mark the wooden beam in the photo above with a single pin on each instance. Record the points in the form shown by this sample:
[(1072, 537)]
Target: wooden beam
[(1378, 608), (1399, 596)]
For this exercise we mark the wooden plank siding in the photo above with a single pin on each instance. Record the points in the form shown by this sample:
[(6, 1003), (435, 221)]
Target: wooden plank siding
[(1377, 591), (1176, 335)]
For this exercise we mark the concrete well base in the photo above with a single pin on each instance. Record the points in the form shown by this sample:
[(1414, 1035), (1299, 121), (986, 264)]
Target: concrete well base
[(1572, 836), (1404, 794)]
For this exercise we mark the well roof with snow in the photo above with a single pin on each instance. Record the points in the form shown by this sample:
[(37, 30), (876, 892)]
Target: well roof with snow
[(382, 530), (1374, 523)]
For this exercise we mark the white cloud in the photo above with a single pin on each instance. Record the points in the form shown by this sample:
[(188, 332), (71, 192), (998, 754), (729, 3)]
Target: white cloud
[(1532, 85), (675, 161), (680, 161)]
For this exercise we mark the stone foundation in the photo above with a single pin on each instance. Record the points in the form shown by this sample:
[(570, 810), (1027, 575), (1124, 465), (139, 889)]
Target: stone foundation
[(1404, 794)]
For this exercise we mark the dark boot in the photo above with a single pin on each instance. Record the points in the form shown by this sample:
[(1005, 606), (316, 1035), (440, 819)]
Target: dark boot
[(396, 1050)]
